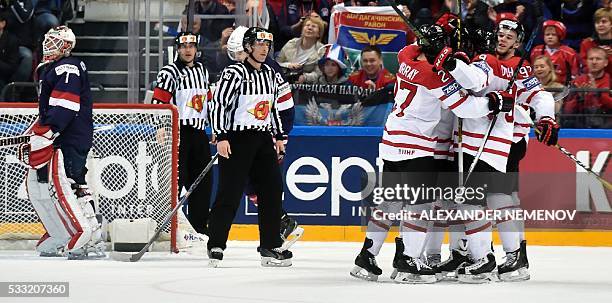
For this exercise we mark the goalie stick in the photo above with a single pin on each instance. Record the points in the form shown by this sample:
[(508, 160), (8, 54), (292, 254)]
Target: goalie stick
[(527, 50), (563, 150), (16, 140), (126, 257)]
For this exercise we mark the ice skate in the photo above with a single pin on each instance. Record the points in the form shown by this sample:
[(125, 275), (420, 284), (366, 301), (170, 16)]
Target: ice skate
[(290, 231), (365, 264), (88, 252), (275, 257), (215, 255), (447, 269), (399, 250), (414, 271), (433, 259), (479, 272), (514, 269)]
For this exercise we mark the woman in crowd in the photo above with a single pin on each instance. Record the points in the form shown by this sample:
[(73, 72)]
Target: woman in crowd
[(300, 56), (332, 65), (545, 72)]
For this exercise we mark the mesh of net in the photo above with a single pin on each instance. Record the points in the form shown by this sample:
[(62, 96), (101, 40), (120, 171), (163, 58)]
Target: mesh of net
[(129, 168)]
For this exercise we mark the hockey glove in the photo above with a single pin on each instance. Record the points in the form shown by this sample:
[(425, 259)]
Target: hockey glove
[(444, 55), (548, 131), (38, 152), (451, 62), (500, 101)]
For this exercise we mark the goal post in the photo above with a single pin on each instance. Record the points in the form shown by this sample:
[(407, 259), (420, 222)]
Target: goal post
[(132, 167)]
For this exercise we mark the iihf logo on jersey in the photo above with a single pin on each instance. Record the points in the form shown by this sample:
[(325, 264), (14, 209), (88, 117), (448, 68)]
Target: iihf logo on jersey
[(261, 110), (197, 103)]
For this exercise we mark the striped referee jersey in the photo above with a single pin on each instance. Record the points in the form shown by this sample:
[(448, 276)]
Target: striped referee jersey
[(247, 99), (186, 87)]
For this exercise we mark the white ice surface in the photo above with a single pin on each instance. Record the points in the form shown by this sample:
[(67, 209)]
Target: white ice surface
[(320, 274)]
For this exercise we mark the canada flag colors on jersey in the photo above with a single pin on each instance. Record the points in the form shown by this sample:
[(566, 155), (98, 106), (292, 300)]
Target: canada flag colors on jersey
[(411, 130), (487, 73), (65, 102)]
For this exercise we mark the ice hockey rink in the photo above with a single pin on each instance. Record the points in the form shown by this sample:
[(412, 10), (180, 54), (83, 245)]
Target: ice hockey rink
[(320, 273)]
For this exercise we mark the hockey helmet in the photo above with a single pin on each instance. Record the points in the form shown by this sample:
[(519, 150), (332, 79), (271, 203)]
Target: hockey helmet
[(433, 41), (513, 25), (186, 37), (58, 42), (257, 34), (234, 42)]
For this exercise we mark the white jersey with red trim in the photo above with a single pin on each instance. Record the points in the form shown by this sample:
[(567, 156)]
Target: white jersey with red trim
[(420, 94), (486, 74)]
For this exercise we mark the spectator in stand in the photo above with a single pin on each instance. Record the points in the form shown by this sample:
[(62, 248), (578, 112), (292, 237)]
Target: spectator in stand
[(47, 14), (333, 66), (301, 55), (577, 15), (211, 29), (230, 5), (372, 75), (293, 14), (477, 15), (9, 53), (544, 70), (564, 58), (19, 22), (522, 9), (592, 103), (602, 36)]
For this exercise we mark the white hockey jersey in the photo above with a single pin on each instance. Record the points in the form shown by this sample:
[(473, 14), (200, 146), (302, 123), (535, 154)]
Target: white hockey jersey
[(420, 94), (486, 74)]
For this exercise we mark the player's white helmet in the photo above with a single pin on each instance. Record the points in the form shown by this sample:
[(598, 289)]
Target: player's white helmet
[(59, 42), (234, 43)]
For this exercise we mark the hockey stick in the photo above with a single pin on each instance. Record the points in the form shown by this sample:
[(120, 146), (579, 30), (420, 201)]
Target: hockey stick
[(563, 150), (527, 49), (126, 257), (411, 26), (460, 120), (16, 140)]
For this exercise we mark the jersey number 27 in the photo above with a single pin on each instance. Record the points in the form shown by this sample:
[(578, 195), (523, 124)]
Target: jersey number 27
[(404, 93)]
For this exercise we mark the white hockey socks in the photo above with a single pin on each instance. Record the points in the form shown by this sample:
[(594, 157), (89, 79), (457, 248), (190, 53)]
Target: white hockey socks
[(414, 230), (521, 224), (379, 225), (478, 234), (509, 230)]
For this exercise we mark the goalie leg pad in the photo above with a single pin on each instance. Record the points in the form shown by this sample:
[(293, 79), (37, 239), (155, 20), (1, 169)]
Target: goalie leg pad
[(57, 235), (77, 213)]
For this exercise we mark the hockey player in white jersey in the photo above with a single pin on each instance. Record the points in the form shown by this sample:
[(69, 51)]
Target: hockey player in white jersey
[(506, 144), (408, 146)]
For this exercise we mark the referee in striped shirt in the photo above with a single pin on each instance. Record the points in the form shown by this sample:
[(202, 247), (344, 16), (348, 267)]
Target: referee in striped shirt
[(184, 83), (243, 113)]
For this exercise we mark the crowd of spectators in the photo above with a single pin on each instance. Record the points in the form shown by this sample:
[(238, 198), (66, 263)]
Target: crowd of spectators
[(563, 57), (22, 26)]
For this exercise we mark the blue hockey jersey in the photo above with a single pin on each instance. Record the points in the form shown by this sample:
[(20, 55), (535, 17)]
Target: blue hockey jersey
[(65, 102)]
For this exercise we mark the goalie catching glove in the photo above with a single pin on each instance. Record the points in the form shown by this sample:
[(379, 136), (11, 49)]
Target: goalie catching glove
[(500, 101), (38, 152), (547, 131)]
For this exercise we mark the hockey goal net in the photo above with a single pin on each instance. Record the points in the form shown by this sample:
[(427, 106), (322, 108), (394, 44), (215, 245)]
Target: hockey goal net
[(132, 167)]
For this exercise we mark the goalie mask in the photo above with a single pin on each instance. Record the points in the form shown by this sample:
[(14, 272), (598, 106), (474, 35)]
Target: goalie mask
[(59, 42)]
